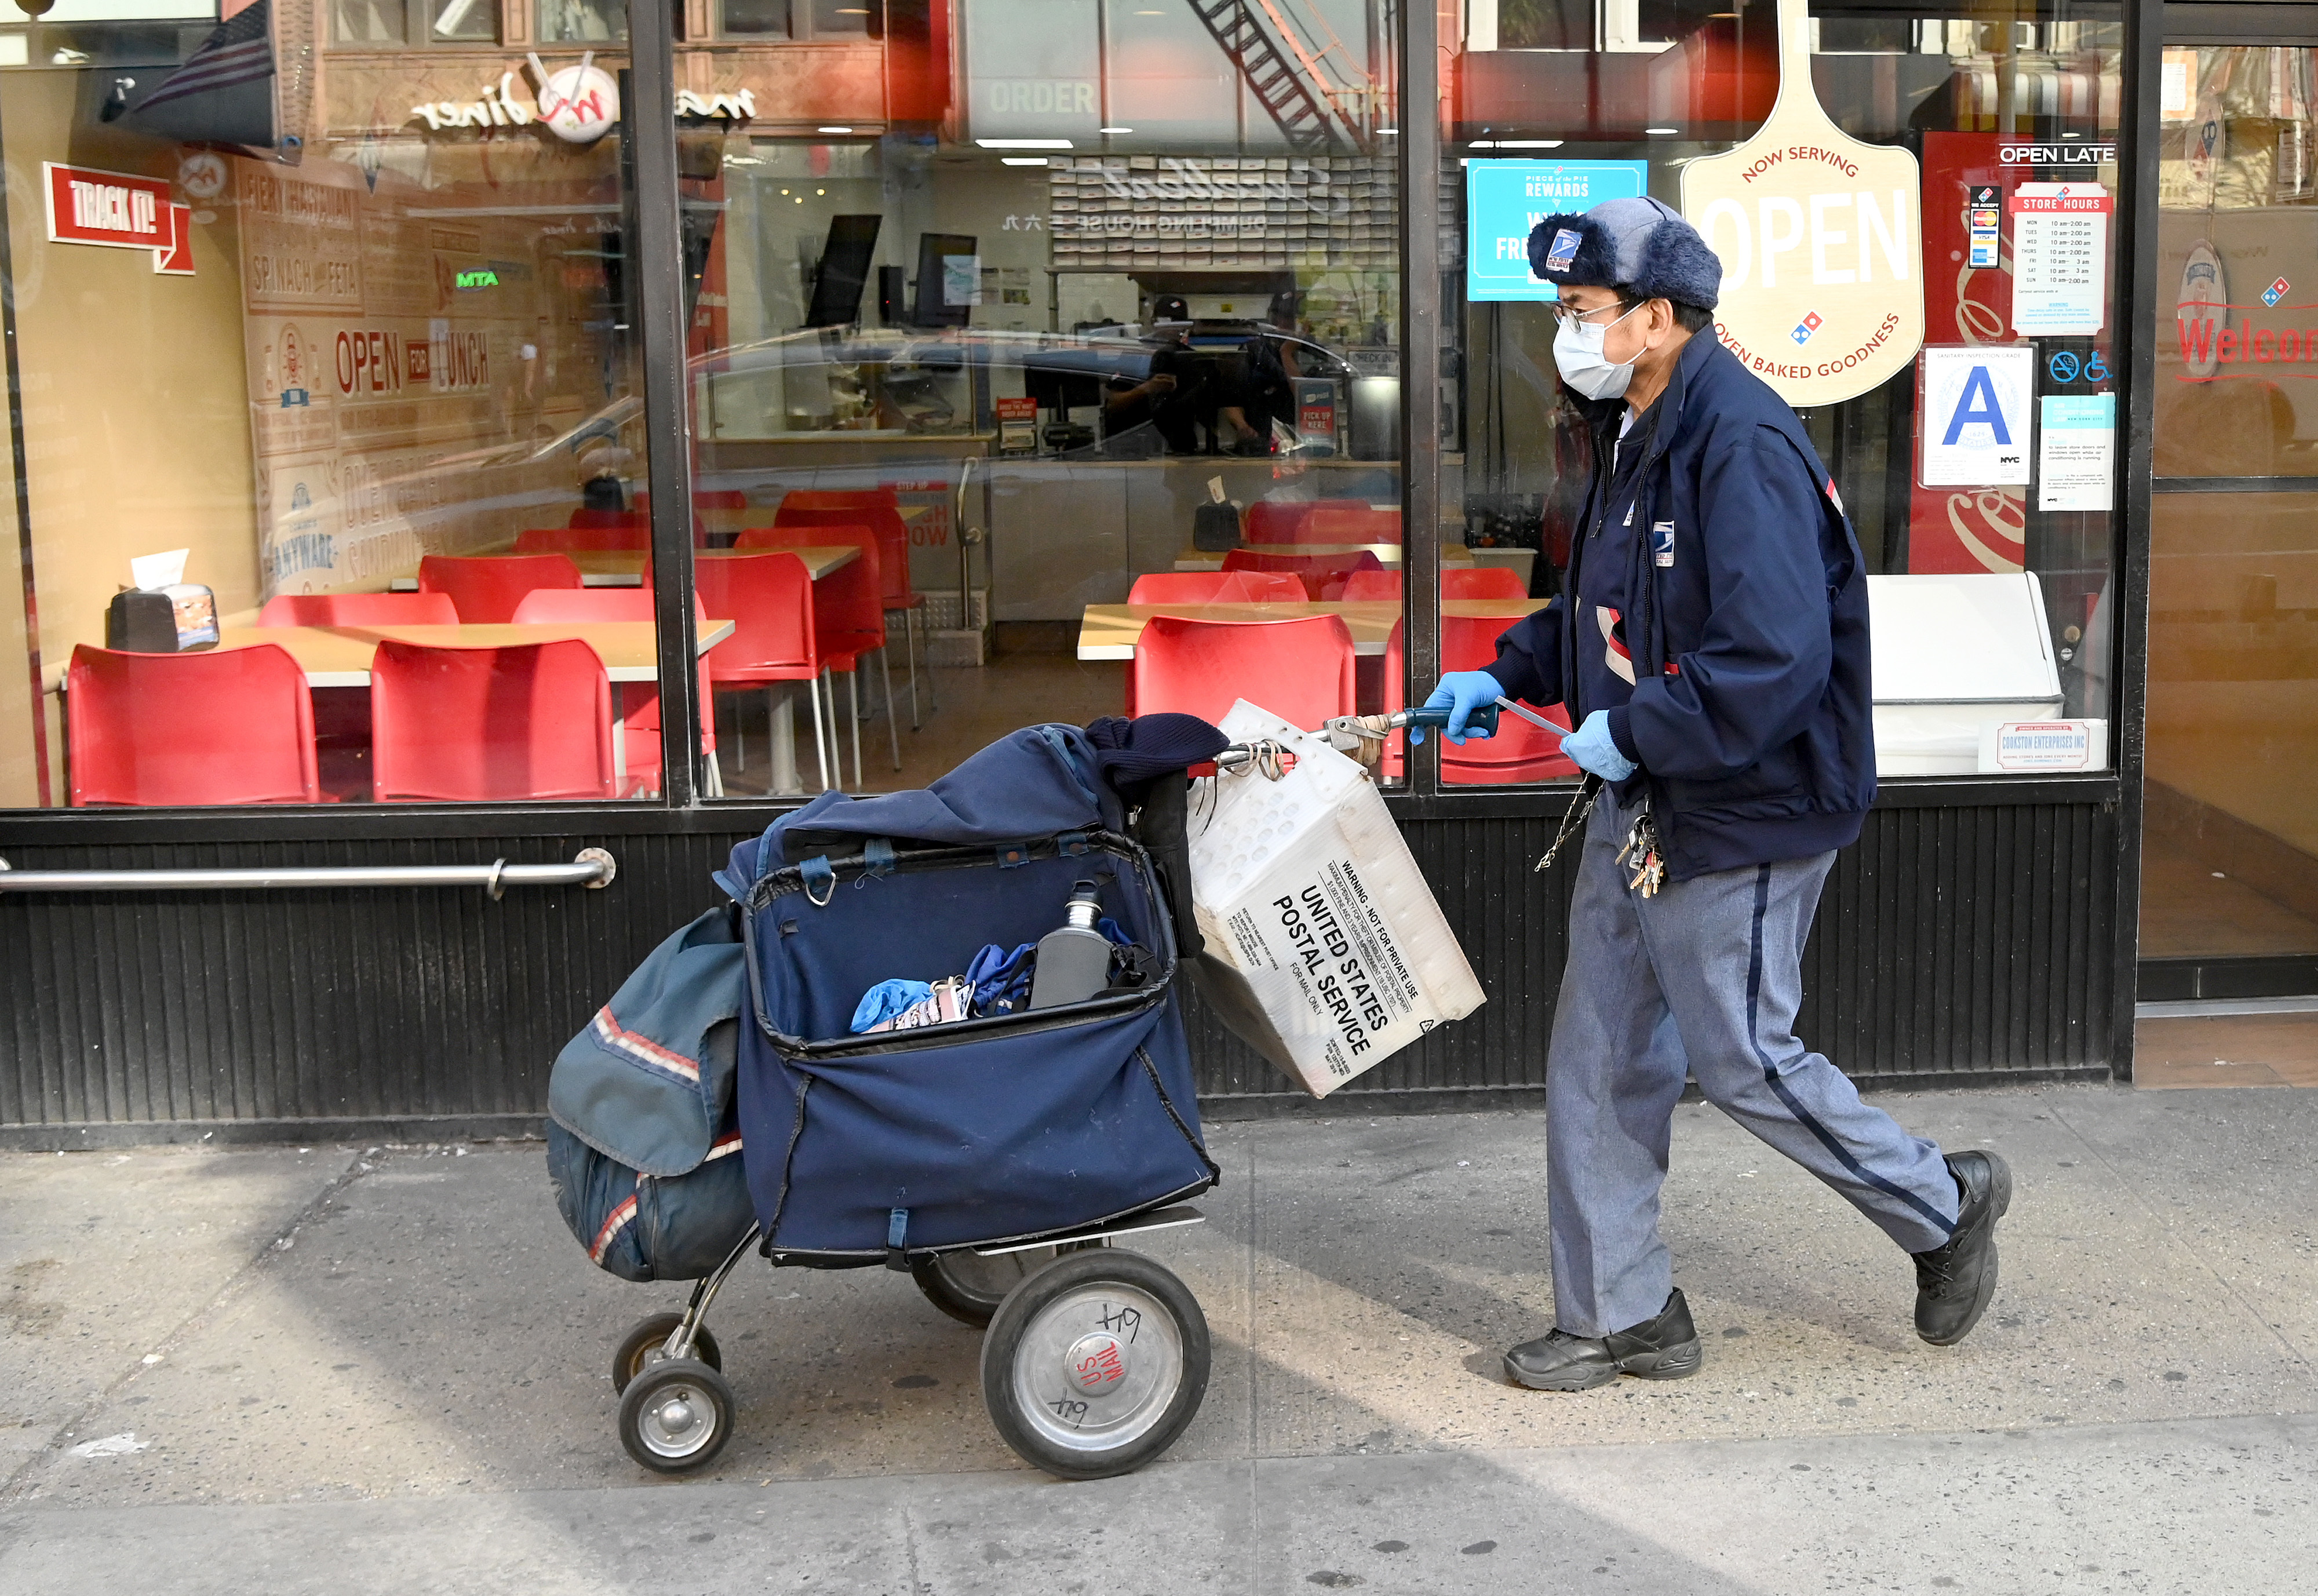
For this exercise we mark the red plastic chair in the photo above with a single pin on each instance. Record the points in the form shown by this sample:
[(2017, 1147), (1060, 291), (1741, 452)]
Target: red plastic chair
[(223, 726), (720, 498), (359, 609), (769, 599), (1276, 521), (1373, 584), (1336, 523), (487, 725), (624, 538), (1481, 581), (1323, 574), (635, 704), (1217, 586), (1301, 670), (1519, 752), (611, 518), (880, 510), (487, 587), (848, 610)]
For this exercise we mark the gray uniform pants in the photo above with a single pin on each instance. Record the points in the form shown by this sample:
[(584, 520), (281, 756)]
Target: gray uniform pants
[(1707, 975)]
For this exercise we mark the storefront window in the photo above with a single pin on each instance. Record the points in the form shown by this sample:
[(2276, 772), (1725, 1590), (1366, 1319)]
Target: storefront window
[(387, 23), (1920, 253), (582, 21), (2230, 848), (1115, 311), (285, 419)]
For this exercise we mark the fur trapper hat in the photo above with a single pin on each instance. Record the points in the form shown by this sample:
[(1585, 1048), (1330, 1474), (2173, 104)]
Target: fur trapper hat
[(1639, 245)]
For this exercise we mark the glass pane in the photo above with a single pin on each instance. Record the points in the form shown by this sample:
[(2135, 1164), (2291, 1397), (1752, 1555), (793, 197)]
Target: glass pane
[(467, 21), (2230, 850), (2010, 110), (303, 393), (837, 18), (369, 22), (757, 19), (1122, 307), (2229, 854), (582, 21)]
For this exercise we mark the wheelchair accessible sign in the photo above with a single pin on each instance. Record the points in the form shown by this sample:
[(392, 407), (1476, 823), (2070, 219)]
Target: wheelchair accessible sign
[(1505, 199)]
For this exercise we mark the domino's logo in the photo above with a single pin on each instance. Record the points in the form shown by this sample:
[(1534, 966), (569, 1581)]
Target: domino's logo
[(2274, 292), (1804, 328)]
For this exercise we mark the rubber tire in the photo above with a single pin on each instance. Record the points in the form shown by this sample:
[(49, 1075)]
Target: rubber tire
[(968, 1302), (628, 1362), (639, 1396), (1059, 1279)]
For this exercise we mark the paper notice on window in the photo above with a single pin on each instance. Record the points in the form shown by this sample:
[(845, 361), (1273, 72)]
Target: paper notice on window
[(961, 280), (2060, 257), (2076, 454)]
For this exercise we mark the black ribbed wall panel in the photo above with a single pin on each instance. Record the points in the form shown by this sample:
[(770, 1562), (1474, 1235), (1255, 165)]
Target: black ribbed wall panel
[(1966, 942), (1953, 942)]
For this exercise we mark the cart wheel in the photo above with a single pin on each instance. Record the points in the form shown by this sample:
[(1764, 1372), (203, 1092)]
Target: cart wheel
[(969, 1286), (1093, 1365), (642, 1348), (676, 1415)]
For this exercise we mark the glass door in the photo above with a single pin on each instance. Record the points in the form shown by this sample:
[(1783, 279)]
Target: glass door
[(2230, 849)]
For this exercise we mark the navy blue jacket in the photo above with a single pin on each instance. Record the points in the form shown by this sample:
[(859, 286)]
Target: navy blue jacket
[(1751, 710)]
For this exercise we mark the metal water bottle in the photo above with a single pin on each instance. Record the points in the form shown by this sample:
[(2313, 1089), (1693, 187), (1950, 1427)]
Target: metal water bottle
[(1075, 958)]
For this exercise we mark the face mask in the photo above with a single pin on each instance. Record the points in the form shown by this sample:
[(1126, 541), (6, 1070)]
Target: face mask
[(1578, 351)]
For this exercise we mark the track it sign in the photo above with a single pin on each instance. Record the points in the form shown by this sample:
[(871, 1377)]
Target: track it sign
[(118, 211), (1976, 416), (1822, 242)]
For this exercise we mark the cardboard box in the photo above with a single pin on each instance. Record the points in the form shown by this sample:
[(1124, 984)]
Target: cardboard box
[(1325, 951)]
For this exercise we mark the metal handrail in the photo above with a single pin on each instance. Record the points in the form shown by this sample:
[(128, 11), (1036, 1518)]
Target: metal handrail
[(593, 867)]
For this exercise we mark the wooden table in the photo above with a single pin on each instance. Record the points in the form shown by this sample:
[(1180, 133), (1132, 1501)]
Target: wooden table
[(1387, 554), (340, 656), (624, 568), (1111, 631)]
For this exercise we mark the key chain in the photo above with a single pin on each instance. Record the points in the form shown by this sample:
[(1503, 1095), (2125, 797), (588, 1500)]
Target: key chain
[(1571, 816)]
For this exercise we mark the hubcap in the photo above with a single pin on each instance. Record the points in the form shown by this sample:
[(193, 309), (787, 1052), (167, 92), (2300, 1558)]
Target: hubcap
[(1098, 1367), (679, 1420)]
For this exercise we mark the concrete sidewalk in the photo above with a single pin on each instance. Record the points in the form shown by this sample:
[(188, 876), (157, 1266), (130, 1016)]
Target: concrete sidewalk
[(356, 1370)]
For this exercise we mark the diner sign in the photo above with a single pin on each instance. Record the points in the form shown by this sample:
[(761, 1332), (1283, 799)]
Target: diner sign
[(1820, 239)]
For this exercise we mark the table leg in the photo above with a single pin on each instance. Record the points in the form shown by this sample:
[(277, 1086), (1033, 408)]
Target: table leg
[(619, 741), (785, 778)]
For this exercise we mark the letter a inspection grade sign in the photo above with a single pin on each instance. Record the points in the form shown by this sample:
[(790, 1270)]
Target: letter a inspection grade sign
[(1822, 241), (1975, 416)]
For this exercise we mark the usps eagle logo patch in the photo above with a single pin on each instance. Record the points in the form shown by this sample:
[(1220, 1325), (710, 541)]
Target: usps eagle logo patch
[(1564, 250)]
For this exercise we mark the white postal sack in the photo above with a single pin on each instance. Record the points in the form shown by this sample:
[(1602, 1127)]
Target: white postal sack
[(1326, 952)]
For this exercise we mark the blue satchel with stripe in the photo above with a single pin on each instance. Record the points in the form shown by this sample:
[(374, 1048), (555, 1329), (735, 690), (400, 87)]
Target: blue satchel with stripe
[(642, 1136)]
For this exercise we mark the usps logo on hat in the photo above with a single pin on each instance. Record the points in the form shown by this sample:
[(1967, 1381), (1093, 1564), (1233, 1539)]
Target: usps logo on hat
[(1564, 250), (1804, 328)]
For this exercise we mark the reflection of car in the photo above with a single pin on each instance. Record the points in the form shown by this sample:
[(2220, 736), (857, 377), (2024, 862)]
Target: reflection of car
[(934, 383), (806, 391)]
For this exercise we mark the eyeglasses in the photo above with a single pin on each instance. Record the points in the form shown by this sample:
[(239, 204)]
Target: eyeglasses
[(1564, 313)]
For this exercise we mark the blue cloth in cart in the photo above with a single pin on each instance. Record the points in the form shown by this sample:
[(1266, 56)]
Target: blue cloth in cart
[(887, 999), (861, 1148)]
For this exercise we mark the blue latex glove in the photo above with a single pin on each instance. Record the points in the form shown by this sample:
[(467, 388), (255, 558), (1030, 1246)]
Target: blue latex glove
[(1594, 750), (1461, 693)]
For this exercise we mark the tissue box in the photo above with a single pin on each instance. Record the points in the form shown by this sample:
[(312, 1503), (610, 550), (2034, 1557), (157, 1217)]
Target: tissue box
[(171, 619)]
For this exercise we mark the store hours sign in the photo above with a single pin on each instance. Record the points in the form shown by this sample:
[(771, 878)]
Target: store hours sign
[(1822, 242)]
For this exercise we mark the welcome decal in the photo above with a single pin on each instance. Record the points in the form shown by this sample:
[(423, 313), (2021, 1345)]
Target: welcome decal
[(1822, 242)]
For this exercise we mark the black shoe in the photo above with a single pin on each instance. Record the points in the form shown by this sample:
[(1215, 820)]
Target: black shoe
[(1954, 1282), (1663, 1348)]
